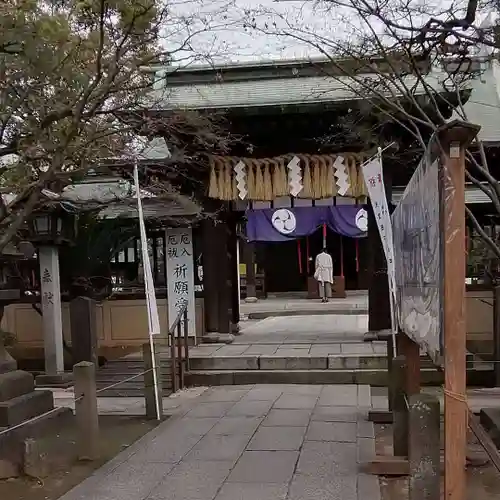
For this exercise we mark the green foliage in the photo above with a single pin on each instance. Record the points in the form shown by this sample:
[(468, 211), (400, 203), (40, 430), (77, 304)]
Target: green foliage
[(70, 70)]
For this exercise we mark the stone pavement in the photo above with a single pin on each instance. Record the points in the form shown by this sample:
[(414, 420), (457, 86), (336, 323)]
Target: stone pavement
[(249, 443), (354, 303), (323, 340)]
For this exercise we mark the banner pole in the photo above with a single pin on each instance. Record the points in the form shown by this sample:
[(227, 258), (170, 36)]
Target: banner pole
[(148, 282)]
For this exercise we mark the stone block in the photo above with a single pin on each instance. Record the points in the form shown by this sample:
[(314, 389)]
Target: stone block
[(8, 365), (365, 449), (282, 417), (35, 463), (364, 397), (296, 402), (357, 362), (339, 395), (341, 432), (368, 487), (335, 414), (9, 468), (166, 449), (194, 480), (323, 460), (259, 349), (250, 409), (365, 429), (207, 378), (252, 491), (264, 467), (223, 396), (306, 362), (226, 362), (277, 439), (236, 425), (61, 380), (264, 393), (197, 426), (17, 410), (219, 447), (14, 384), (334, 488), (210, 409)]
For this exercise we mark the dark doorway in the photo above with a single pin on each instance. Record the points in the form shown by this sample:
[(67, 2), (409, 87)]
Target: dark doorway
[(288, 264)]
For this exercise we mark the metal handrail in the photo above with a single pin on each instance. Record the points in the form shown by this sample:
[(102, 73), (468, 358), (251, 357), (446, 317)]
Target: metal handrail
[(179, 347)]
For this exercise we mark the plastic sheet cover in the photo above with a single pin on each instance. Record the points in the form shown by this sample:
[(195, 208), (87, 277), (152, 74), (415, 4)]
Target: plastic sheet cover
[(417, 255)]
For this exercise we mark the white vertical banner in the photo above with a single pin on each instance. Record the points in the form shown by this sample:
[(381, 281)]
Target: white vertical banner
[(180, 274), (153, 320), (151, 306), (373, 174)]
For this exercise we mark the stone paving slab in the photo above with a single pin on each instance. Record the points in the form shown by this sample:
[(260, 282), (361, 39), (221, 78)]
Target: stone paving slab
[(258, 442)]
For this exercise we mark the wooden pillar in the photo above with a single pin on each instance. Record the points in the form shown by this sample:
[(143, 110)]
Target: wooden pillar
[(379, 310), (235, 277), (210, 279), (399, 406), (224, 277), (453, 140), (251, 287)]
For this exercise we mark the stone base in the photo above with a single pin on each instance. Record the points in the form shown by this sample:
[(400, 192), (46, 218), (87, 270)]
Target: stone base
[(61, 380), (8, 365), (16, 458), (25, 407), (14, 384), (251, 300), (217, 338)]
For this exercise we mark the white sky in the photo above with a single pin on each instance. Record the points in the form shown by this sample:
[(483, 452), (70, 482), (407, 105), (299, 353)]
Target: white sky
[(217, 29)]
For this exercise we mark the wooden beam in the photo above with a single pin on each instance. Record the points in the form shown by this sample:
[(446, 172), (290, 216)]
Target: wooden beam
[(452, 141)]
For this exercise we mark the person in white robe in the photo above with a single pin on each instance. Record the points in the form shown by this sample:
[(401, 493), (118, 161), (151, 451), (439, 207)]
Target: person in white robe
[(324, 274)]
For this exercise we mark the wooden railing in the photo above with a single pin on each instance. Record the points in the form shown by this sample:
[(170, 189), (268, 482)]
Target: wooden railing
[(178, 338)]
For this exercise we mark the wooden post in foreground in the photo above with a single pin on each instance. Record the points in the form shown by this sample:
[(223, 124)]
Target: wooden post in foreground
[(87, 417), (453, 139), (399, 407)]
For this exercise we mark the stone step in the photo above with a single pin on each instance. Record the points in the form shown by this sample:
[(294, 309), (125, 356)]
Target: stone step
[(376, 378), (128, 392), (21, 408), (306, 362)]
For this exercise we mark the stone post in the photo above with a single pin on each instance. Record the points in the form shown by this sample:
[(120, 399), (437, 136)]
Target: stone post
[(83, 330), (424, 447), (87, 417), (51, 308), (149, 385)]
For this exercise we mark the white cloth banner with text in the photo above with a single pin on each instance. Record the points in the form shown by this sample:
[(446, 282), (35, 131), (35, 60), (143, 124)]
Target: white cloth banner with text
[(152, 307), (373, 174)]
